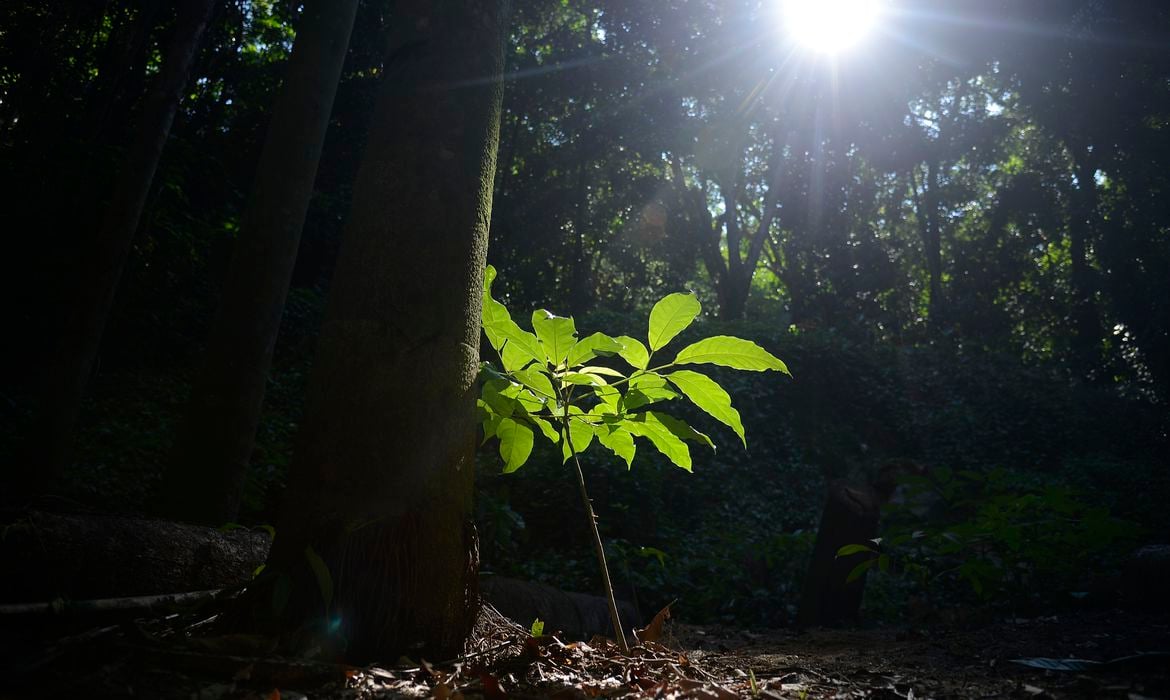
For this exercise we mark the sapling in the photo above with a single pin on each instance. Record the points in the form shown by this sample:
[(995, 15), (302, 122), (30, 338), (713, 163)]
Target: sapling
[(545, 383)]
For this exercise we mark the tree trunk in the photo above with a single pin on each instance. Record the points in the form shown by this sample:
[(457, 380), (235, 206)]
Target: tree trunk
[(1082, 223), (85, 318), (380, 489), (933, 242), (210, 458)]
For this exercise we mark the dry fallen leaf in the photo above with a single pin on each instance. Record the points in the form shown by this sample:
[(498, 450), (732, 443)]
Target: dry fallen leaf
[(653, 631)]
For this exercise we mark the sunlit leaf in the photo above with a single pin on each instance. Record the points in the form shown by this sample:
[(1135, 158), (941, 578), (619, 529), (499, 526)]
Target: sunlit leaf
[(516, 441), (590, 347), (619, 441), (646, 389), (580, 434), (516, 346), (727, 351), (583, 379), (682, 430), (537, 381), (706, 393), (546, 429), (634, 352), (603, 371), (670, 316), (648, 426), (557, 335)]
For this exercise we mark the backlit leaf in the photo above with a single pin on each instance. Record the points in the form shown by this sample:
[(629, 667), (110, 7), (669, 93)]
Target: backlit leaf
[(557, 335), (670, 316), (516, 441), (648, 426), (711, 398), (590, 347), (726, 351), (619, 441), (634, 352)]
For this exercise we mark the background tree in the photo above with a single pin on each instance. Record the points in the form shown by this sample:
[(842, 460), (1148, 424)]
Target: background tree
[(211, 455)]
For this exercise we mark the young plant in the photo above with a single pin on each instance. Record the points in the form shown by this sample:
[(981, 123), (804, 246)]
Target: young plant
[(546, 383)]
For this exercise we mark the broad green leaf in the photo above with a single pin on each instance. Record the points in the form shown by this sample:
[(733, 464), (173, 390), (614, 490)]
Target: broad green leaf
[(516, 346), (646, 389), (711, 398), (516, 441), (493, 396), (321, 573), (670, 316), (583, 379), (557, 335), (546, 428), (648, 426), (682, 430), (609, 396), (490, 424), (580, 434), (634, 352), (604, 371), (590, 347), (619, 441), (853, 549), (859, 570), (726, 351), (537, 381)]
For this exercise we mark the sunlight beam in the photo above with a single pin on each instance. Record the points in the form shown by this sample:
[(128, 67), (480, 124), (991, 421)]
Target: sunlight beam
[(830, 26)]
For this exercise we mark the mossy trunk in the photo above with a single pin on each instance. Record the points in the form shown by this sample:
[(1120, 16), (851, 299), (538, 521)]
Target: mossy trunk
[(380, 487)]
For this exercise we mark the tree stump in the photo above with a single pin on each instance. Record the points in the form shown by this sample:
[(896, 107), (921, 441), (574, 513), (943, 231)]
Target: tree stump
[(850, 517)]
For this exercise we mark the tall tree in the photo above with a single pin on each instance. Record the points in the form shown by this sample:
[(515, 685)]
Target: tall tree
[(211, 455), (380, 489), (85, 316)]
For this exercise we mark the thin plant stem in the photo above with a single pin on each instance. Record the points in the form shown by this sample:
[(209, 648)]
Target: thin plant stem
[(598, 548)]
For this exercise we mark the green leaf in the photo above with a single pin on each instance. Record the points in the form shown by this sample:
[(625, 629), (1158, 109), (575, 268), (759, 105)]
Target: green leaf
[(645, 389), (609, 397), (546, 428), (516, 441), (493, 397), (711, 398), (516, 346), (537, 381), (634, 352), (682, 430), (321, 573), (726, 351), (582, 379), (859, 570), (619, 441), (647, 425), (603, 371), (854, 549), (590, 347), (537, 628), (580, 433), (557, 335), (670, 316)]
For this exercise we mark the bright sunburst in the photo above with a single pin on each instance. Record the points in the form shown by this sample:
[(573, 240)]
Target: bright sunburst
[(830, 26)]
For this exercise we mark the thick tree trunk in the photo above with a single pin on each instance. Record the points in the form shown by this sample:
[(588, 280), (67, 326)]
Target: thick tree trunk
[(381, 485), (850, 517), (85, 317), (210, 459)]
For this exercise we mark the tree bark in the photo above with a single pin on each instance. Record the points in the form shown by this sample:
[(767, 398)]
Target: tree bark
[(380, 489), (85, 317), (210, 458)]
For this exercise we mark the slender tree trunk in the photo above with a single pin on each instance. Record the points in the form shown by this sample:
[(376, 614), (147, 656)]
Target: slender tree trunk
[(1082, 222), (381, 485), (210, 459), (933, 242), (85, 317)]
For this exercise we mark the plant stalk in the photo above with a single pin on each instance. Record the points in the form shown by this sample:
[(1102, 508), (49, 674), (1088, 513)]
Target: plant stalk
[(598, 548)]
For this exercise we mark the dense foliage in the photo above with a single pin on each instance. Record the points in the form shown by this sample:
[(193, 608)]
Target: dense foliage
[(958, 238)]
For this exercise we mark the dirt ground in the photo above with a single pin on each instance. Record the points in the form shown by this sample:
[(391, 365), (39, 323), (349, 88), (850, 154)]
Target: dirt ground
[(174, 657)]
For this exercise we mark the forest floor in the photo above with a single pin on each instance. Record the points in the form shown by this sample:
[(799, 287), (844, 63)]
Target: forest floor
[(168, 658)]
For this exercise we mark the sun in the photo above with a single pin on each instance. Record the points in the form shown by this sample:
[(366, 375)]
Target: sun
[(830, 26)]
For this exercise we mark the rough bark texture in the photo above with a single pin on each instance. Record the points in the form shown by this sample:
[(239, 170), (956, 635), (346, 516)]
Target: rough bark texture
[(85, 317), (210, 460), (381, 484), (850, 517)]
